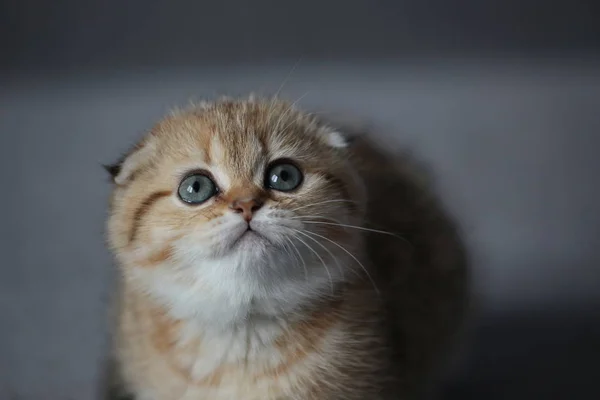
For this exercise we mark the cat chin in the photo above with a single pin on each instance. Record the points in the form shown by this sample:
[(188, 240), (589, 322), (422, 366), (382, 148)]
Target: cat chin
[(219, 293), (252, 241)]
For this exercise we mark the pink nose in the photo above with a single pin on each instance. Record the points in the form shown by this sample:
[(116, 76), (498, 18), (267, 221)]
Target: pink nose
[(246, 207)]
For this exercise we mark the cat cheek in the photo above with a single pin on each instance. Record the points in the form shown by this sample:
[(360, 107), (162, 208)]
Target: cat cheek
[(157, 258)]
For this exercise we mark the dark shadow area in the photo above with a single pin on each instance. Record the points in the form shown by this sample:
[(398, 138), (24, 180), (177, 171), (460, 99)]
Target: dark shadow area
[(532, 355)]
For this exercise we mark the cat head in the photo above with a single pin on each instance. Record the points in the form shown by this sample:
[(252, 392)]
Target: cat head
[(234, 205)]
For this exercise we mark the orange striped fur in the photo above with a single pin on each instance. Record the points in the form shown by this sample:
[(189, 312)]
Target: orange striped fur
[(307, 304)]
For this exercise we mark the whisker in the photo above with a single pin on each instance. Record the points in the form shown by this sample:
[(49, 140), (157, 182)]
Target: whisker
[(310, 115), (323, 202), (326, 249), (287, 78), (301, 258), (359, 228), (293, 122), (283, 83), (290, 108), (315, 217), (351, 255), (320, 258), (288, 252), (285, 128)]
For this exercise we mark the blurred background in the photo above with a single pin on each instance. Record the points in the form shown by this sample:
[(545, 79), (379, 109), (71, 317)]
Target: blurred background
[(500, 98)]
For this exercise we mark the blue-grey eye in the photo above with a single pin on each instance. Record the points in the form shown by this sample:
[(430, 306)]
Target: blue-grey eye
[(283, 177), (196, 189)]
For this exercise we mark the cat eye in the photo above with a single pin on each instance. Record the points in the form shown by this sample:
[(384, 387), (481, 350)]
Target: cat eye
[(196, 189), (283, 176)]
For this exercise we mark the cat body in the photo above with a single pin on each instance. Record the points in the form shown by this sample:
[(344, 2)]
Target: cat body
[(263, 256)]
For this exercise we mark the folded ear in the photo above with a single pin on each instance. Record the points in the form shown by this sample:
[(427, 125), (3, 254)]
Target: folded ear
[(335, 139), (113, 169), (125, 168), (340, 135)]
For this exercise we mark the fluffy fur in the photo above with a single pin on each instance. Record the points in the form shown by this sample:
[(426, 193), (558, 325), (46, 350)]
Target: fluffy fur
[(347, 288)]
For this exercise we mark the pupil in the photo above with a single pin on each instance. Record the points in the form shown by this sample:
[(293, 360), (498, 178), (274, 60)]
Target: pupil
[(285, 175), (196, 186)]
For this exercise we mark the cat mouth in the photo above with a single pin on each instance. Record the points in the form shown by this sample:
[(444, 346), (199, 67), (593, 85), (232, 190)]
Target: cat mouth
[(251, 237)]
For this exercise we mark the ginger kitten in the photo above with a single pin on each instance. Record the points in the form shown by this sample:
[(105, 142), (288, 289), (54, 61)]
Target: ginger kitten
[(264, 256)]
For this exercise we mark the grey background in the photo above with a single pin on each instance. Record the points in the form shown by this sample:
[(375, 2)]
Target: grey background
[(500, 98)]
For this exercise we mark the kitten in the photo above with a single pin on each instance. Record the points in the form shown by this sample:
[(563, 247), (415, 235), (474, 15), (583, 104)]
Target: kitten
[(264, 255)]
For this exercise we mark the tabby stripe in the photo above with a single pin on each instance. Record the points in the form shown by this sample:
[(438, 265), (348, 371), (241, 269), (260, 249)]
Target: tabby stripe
[(143, 210)]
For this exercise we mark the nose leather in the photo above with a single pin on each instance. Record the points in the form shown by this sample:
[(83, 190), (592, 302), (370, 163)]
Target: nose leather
[(246, 207)]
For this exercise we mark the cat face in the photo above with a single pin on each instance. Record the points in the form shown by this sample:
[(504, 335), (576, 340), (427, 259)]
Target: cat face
[(237, 201)]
